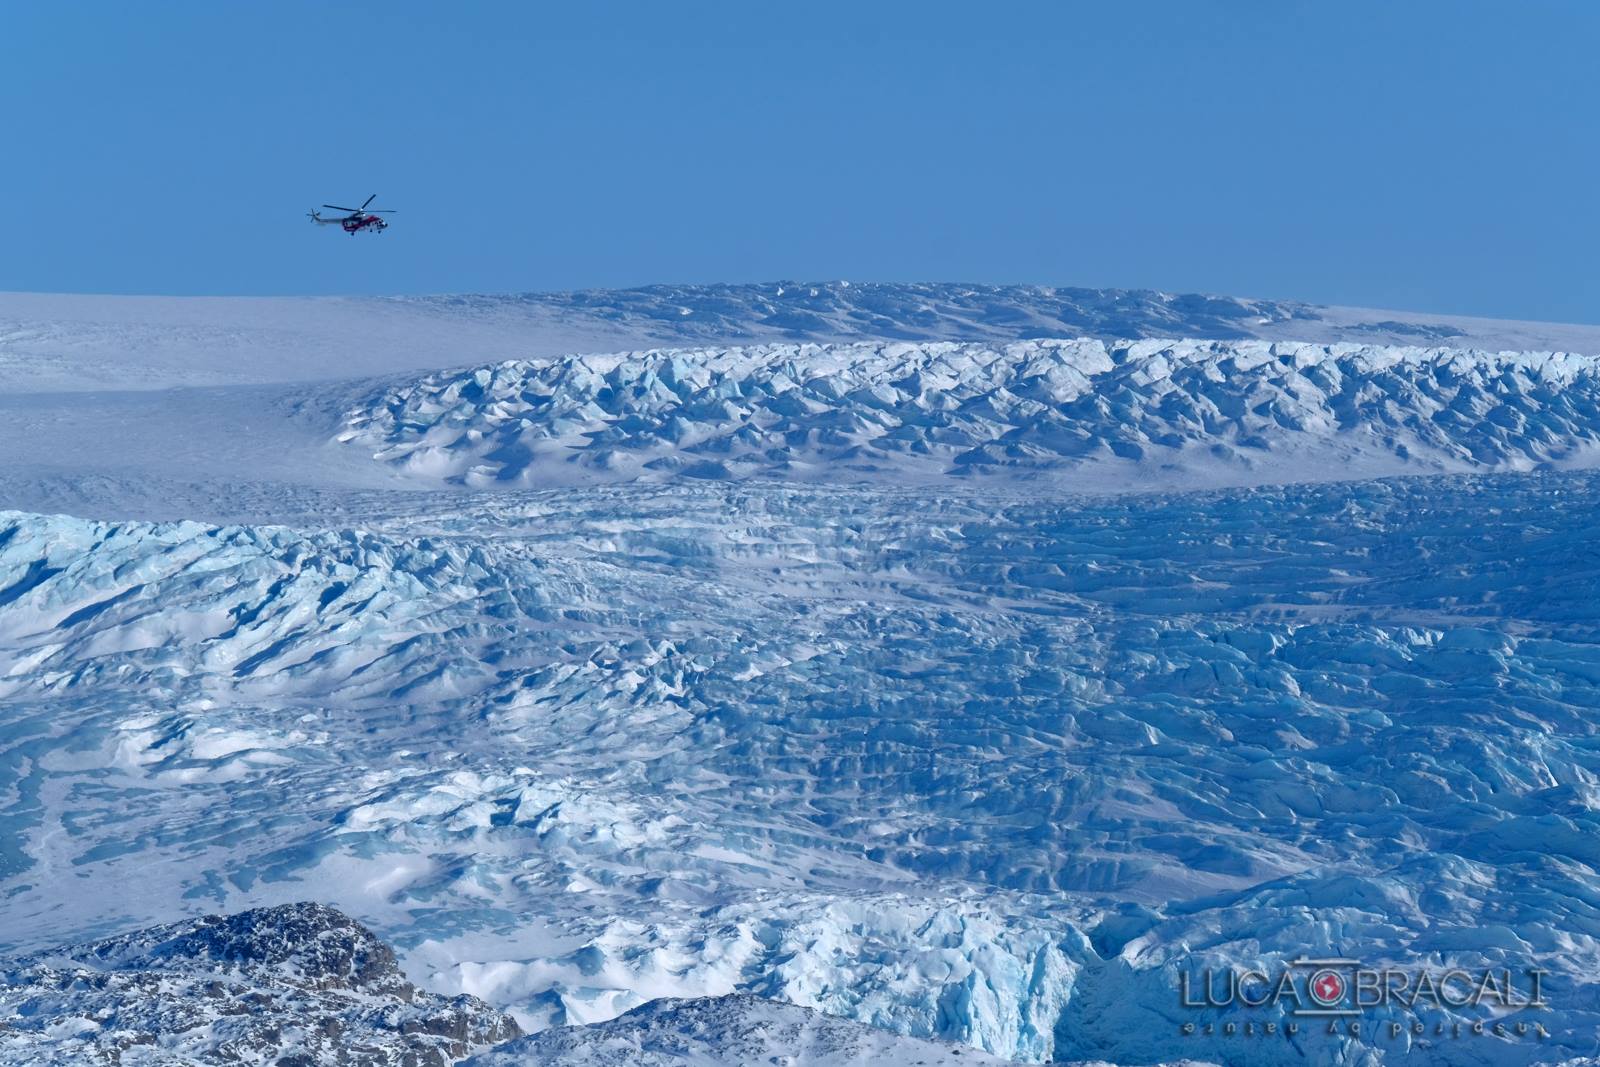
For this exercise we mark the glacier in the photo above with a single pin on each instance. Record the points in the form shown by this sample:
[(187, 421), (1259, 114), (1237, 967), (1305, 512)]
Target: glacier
[(896, 410), (973, 690), (726, 1032)]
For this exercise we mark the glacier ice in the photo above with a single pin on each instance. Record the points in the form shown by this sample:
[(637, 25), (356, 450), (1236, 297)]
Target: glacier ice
[(973, 764), (821, 672), (725, 1032), (888, 412)]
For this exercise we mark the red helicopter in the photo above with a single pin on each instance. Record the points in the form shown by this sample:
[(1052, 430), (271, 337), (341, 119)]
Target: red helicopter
[(356, 219)]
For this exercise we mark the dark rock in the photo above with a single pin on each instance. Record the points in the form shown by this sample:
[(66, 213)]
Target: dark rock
[(297, 985)]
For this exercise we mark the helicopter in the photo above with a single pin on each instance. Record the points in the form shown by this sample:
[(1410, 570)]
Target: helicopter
[(355, 220)]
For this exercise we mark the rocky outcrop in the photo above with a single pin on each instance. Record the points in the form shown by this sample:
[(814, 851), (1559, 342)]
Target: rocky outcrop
[(293, 986)]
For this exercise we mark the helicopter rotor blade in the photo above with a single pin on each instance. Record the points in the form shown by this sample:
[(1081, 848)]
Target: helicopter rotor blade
[(336, 207), (369, 200)]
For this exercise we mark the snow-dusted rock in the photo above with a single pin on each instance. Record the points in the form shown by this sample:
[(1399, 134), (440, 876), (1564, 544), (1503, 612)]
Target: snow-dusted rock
[(297, 986)]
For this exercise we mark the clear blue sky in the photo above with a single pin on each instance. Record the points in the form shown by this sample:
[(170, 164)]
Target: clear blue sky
[(1431, 155)]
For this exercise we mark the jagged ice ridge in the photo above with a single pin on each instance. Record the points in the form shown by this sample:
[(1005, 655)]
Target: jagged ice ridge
[(892, 411)]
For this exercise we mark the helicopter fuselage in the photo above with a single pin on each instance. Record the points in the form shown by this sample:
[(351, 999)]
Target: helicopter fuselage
[(357, 219), (365, 222)]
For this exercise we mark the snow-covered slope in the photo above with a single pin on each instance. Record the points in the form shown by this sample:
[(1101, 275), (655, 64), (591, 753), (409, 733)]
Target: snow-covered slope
[(1215, 411), (294, 985), (51, 342)]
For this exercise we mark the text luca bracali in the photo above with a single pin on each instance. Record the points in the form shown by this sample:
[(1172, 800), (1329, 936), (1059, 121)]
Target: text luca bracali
[(1333, 995)]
